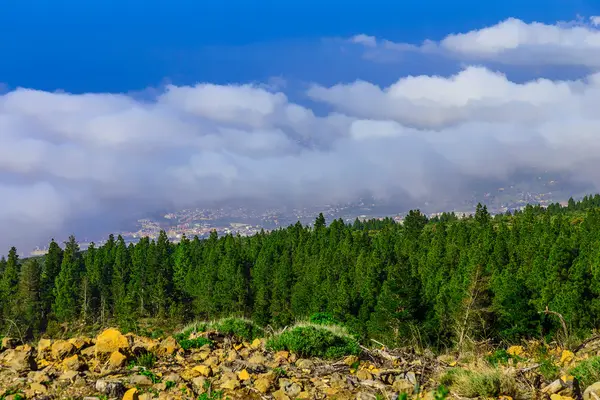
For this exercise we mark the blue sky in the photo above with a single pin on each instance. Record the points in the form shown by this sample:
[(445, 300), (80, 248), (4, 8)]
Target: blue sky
[(118, 46), (113, 110)]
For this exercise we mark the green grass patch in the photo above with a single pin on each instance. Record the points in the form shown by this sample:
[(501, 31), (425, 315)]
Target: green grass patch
[(587, 371), (485, 383), (315, 341)]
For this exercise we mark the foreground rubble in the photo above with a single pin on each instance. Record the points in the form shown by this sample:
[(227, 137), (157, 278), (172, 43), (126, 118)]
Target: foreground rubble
[(118, 366)]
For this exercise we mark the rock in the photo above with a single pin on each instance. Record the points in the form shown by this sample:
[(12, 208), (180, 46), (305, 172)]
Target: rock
[(80, 342), (116, 360), (38, 388), (282, 355), (292, 389), (167, 347), (364, 375), (403, 386), (199, 382), (143, 344), (553, 387), (305, 364), (131, 394), (140, 380), (110, 388), (172, 377), (350, 360), (232, 356), (231, 384), (44, 348), (61, 349), (203, 370), (257, 359), (566, 357), (111, 340), (280, 395), (73, 363), (39, 376), (262, 385), (243, 375), (592, 391), (10, 343), (19, 360), (68, 376)]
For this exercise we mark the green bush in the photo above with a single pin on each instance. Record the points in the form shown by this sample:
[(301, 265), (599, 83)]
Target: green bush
[(239, 328), (314, 341), (196, 343)]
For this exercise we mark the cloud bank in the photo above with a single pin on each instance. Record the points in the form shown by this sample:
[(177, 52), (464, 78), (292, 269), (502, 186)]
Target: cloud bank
[(511, 41), (77, 162)]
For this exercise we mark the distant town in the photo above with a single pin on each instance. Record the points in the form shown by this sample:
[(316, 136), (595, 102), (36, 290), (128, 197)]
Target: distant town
[(242, 221)]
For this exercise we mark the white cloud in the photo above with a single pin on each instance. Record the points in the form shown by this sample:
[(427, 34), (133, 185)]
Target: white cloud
[(70, 161), (365, 40), (514, 41)]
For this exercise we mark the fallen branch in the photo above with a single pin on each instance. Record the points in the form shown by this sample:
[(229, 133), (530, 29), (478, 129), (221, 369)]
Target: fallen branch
[(585, 343)]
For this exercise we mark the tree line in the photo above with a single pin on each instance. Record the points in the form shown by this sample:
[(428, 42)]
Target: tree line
[(439, 282)]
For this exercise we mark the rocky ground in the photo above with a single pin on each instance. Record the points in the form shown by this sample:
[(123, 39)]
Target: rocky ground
[(118, 366)]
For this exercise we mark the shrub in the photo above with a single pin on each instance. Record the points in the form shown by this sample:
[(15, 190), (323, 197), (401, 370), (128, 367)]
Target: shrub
[(239, 328), (315, 341), (196, 343), (587, 371)]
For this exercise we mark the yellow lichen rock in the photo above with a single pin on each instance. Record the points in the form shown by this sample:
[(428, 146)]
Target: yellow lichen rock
[(243, 375), (566, 357), (61, 349), (131, 394), (111, 340), (117, 360), (73, 363)]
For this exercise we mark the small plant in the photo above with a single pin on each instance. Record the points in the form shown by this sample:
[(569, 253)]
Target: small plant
[(279, 372), (500, 356), (151, 375), (169, 385), (314, 341), (441, 393), (146, 360)]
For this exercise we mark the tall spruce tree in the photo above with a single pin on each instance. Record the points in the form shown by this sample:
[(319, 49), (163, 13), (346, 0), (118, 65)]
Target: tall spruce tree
[(66, 296)]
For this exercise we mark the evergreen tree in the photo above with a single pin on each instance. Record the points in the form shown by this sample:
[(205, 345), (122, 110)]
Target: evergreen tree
[(66, 301)]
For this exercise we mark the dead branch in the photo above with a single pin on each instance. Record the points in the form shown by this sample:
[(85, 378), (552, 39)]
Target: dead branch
[(562, 320)]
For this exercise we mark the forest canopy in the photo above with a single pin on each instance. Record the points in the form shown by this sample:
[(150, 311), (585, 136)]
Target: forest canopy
[(435, 282)]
